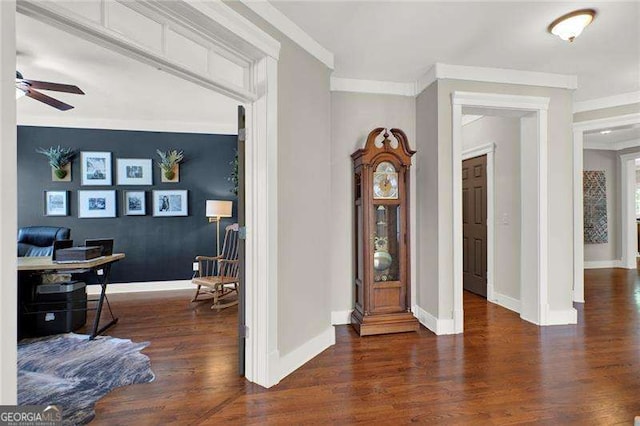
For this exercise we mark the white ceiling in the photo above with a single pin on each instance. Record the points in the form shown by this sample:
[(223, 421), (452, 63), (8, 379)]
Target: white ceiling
[(400, 41), (617, 134), (120, 92)]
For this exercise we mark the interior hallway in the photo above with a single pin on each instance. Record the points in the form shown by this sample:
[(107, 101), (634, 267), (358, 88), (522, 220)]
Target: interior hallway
[(502, 370)]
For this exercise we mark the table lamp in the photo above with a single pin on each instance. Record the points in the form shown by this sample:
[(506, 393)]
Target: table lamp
[(214, 211)]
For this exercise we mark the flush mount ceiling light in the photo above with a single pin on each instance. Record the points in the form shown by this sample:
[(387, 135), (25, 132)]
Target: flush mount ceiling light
[(570, 26)]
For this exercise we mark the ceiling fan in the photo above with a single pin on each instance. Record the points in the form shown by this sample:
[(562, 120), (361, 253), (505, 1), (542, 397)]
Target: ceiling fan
[(26, 87)]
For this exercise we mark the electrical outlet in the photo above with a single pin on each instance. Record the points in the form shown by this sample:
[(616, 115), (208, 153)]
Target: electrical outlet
[(196, 266)]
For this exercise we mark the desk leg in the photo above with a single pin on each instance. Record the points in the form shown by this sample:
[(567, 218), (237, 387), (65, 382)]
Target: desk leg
[(103, 296)]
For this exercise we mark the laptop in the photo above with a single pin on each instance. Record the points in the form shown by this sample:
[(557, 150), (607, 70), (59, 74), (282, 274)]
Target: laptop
[(106, 243), (60, 244)]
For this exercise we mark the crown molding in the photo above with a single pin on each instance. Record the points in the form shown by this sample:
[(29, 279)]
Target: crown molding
[(134, 125), (607, 102), (279, 20), (372, 86), (441, 71), (505, 76), (617, 146), (603, 123)]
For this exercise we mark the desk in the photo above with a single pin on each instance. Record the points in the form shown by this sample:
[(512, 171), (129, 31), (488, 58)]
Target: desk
[(45, 264)]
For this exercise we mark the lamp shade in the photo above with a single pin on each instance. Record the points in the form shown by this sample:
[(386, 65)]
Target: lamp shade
[(219, 208)]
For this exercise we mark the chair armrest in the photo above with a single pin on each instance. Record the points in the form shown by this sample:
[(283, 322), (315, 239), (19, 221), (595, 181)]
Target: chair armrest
[(199, 258), (228, 261)]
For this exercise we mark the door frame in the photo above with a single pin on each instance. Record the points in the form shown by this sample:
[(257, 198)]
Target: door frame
[(579, 130), (236, 34), (534, 243), (489, 151), (628, 222)]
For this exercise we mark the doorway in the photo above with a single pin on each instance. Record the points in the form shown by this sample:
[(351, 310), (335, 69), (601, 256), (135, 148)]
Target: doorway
[(531, 112), (474, 225), (257, 54)]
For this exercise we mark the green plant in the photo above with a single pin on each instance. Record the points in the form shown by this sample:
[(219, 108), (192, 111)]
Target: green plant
[(168, 160), (234, 175), (58, 158)]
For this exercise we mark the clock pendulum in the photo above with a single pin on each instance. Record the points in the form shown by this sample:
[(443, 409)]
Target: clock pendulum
[(382, 259)]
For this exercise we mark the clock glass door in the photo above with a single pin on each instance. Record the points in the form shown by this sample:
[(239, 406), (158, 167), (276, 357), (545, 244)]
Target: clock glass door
[(386, 242)]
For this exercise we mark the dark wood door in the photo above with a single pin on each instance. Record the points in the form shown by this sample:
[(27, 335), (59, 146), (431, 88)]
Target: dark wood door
[(242, 335), (474, 228)]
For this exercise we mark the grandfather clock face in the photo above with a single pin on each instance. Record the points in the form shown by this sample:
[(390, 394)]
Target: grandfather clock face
[(385, 182)]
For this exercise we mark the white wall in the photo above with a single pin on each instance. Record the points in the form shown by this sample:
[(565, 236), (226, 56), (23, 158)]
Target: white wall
[(353, 116), (427, 213), (505, 134), (560, 187), (304, 184), (608, 161)]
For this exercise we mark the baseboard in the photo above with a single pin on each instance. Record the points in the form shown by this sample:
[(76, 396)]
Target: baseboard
[(341, 317), (437, 325), (301, 355), (506, 302), (143, 286), (562, 317), (599, 264)]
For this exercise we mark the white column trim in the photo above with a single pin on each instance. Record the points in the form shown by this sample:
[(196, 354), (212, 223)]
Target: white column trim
[(262, 228), (578, 218), (627, 211), (489, 151), (456, 143), (543, 217)]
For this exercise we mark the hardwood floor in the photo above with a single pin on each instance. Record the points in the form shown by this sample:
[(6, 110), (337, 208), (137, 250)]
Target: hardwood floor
[(502, 370)]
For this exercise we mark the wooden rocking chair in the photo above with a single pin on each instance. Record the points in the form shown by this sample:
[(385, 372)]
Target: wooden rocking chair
[(217, 276)]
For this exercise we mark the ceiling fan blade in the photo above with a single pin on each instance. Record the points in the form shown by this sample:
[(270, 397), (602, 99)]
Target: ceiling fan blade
[(45, 85), (48, 100)]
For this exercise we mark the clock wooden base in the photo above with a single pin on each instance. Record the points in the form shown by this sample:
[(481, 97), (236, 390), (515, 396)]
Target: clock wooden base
[(367, 325)]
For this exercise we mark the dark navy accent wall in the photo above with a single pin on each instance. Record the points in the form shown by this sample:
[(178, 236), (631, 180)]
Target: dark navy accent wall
[(156, 248)]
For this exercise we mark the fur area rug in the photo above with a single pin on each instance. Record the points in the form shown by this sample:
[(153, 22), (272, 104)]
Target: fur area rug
[(73, 372)]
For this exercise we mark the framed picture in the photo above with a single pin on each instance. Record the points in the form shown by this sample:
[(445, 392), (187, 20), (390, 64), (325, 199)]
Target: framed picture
[(134, 171), (96, 168), (96, 204), (170, 203), (134, 203), (56, 203)]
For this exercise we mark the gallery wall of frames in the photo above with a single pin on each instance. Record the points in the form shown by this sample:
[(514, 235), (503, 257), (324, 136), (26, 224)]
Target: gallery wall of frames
[(115, 189)]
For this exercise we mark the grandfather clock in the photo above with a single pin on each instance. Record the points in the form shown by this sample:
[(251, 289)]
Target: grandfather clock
[(381, 249)]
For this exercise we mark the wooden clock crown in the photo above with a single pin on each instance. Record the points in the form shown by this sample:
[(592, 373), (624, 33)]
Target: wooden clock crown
[(402, 151)]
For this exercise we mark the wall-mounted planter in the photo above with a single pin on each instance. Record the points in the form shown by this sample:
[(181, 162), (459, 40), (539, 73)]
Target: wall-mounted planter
[(63, 174), (172, 175)]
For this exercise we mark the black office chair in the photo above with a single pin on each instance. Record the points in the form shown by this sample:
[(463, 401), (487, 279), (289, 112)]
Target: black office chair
[(38, 240)]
